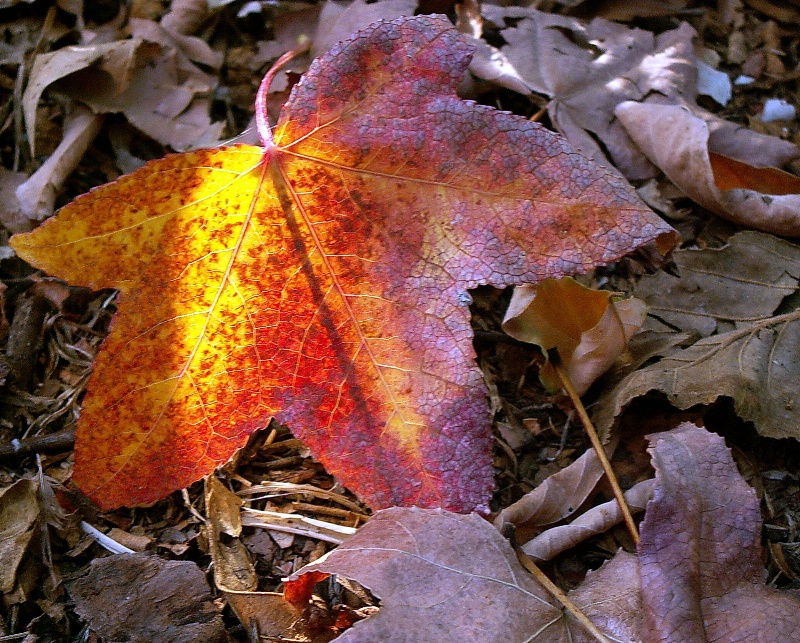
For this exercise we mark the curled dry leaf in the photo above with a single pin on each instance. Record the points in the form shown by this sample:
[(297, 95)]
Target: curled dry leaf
[(556, 498), (154, 84), (323, 280), (589, 328), (679, 143), (233, 568), (439, 576), (339, 21), (116, 61), (35, 199), (752, 358), (596, 520)]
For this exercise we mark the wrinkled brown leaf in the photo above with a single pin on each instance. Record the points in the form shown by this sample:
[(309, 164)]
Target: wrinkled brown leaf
[(556, 498), (596, 520), (611, 598), (34, 200), (233, 569), (339, 21), (752, 358), (154, 84), (679, 143), (140, 599)]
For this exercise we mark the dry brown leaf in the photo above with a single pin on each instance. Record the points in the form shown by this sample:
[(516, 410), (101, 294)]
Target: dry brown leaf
[(185, 16), (712, 290), (35, 199), (752, 359), (441, 576), (339, 21), (233, 568), (275, 618), (590, 328), (154, 84), (194, 49), (679, 143), (596, 520), (113, 63), (140, 599), (611, 598), (19, 516)]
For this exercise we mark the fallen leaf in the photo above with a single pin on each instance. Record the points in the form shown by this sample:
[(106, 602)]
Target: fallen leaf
[(700, 549), (679, 143), (612, 599), (233, 568), (711, 290), (599, 519), (113, 62), (323, 280), (35, 199), (439, 576), (589, 328), (141, 598), (736, 292), (556, 498), (19, 516), (339, 21), (589, 68), (699, 558), (158, 89)]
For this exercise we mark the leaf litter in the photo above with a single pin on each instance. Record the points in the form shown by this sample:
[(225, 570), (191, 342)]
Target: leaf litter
[(276, 458)]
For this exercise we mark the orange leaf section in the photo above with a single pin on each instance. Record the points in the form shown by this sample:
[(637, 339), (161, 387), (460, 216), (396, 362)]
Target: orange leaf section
[(730, 174), (323, 281)]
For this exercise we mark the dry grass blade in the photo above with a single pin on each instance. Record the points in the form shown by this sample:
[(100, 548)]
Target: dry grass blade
[(296, 524), (267, 490), (598, 447)]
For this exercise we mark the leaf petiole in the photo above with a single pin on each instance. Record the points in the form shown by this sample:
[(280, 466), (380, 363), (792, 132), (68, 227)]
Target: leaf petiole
[(262, 119)]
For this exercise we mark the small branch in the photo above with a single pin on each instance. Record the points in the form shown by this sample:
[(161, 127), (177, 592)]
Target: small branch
[(55, 442)]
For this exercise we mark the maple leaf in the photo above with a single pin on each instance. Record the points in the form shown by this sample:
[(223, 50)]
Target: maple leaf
[(322, 280)]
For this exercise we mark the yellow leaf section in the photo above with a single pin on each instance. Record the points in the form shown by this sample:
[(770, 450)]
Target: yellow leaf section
[(168, 236)]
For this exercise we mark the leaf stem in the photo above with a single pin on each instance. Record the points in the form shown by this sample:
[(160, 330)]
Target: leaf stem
[(262, 120), (598, 447)]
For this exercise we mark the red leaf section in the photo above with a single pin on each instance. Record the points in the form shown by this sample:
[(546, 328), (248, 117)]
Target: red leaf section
[(323, 282)]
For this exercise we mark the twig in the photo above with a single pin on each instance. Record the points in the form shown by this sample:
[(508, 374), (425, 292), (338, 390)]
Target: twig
[(598, 447), (559, 595), (61, 441)]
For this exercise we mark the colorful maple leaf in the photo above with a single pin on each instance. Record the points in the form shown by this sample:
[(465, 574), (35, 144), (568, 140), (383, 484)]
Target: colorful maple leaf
[(322, 280)]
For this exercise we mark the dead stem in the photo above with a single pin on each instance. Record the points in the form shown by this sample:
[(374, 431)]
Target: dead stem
[(598, 447)]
